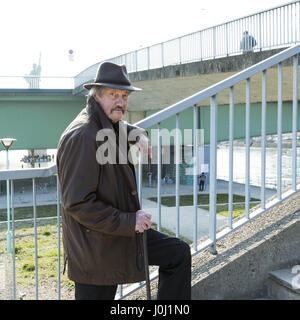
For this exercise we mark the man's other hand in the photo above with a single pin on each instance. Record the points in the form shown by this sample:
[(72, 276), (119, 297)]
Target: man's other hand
[(143, 221)]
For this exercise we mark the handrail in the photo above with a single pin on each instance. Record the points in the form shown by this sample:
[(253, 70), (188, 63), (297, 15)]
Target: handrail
[(221, 40), (30, 173), (220, 86)]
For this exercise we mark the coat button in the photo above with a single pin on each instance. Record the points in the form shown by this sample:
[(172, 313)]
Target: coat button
[(134, 193)]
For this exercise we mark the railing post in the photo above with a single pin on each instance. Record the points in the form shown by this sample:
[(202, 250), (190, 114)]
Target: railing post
[(136, 60), (35, 239), (295, 120), (247, 138), (148, 57), (159, 177), (260, 33), (213, 172), (58, 238), (231, 137), (279, 132), (214, 42), (263, 139), (195, 173), (162, 55), (177, 157), (179, 45), (227, 40), (13, 241)]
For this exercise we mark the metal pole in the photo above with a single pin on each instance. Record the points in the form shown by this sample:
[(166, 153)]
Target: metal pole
[(195, 181), (58, 238), (247, 138), (295, 119), (263, 140), (213, 172), (279, 132), (35, 240), (231, 137), (177, 186), (13, 242), (8, 234), (159, 177), (146, 263)]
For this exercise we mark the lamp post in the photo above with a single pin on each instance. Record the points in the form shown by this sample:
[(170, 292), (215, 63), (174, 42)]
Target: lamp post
[(7, 142)]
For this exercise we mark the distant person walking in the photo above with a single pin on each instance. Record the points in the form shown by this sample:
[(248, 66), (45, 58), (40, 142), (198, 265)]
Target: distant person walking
[(247, 43), (202, 181)]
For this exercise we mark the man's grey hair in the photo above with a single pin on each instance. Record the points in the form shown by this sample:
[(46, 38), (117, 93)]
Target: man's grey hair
[(96, 89)]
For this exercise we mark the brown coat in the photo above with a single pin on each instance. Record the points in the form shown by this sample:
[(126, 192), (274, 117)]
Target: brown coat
[(99, 204)]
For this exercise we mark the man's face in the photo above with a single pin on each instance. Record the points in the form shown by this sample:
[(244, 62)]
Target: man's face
[(113, 102)]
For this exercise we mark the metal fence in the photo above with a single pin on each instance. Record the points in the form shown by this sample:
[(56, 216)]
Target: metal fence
[(272, 28), (36, 82), (175, 110)]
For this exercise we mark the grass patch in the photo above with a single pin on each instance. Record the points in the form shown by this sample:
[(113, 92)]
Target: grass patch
[(27, 212), (170, 233), (203, 202), (47, 251), (188, 200)]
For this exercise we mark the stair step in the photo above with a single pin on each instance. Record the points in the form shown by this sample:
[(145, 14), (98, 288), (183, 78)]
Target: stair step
[(284, 284)]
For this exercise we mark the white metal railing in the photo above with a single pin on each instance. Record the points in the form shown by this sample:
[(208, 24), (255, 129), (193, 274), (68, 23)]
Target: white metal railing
[(271, 28), (36, 82), (156, 120), (212, 94)]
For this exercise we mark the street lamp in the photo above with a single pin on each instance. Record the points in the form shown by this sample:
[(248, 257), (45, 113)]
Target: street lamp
[(7, 142)]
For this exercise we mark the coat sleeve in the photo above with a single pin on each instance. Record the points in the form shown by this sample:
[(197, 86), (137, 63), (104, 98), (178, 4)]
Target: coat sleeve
[(78, 173)]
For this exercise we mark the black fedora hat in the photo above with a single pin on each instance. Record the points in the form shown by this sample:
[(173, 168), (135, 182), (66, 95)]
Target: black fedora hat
[(113, 76)]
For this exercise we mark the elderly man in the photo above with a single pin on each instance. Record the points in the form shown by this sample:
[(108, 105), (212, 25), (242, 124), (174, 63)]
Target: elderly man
[(101, 216)]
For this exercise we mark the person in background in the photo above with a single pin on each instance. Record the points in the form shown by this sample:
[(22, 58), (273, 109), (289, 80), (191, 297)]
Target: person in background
[(247, 43), (202, 181)]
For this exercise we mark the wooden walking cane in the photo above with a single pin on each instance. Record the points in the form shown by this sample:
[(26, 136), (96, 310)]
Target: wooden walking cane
[(146, 263)]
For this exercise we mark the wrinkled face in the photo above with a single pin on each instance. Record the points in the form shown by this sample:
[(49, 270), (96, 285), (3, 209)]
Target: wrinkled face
[(113, 102)]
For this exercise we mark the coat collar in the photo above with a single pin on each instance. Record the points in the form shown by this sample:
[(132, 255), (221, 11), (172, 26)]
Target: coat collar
[(95, 110)]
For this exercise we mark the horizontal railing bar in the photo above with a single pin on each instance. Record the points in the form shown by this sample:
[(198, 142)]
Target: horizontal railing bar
[(216, 88), (36, 77), (30, 219), (19, 174)]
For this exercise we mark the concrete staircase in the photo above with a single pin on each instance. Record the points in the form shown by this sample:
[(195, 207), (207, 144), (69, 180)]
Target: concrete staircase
[(284, 284)]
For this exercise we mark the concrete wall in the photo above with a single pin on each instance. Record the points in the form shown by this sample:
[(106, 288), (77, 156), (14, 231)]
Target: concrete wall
[(37, 120), (244, 275), (186, 121)]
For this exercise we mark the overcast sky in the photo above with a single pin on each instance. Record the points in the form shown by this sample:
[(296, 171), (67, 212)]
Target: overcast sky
[(97, 30)]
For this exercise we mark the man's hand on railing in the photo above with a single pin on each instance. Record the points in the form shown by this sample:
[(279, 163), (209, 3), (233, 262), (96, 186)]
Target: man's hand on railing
[(144, 145), (143, 221)]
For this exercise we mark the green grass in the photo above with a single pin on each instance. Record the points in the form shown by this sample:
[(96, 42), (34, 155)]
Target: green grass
[(46, 244), (47, 250), (27, 212), (203, 202)]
